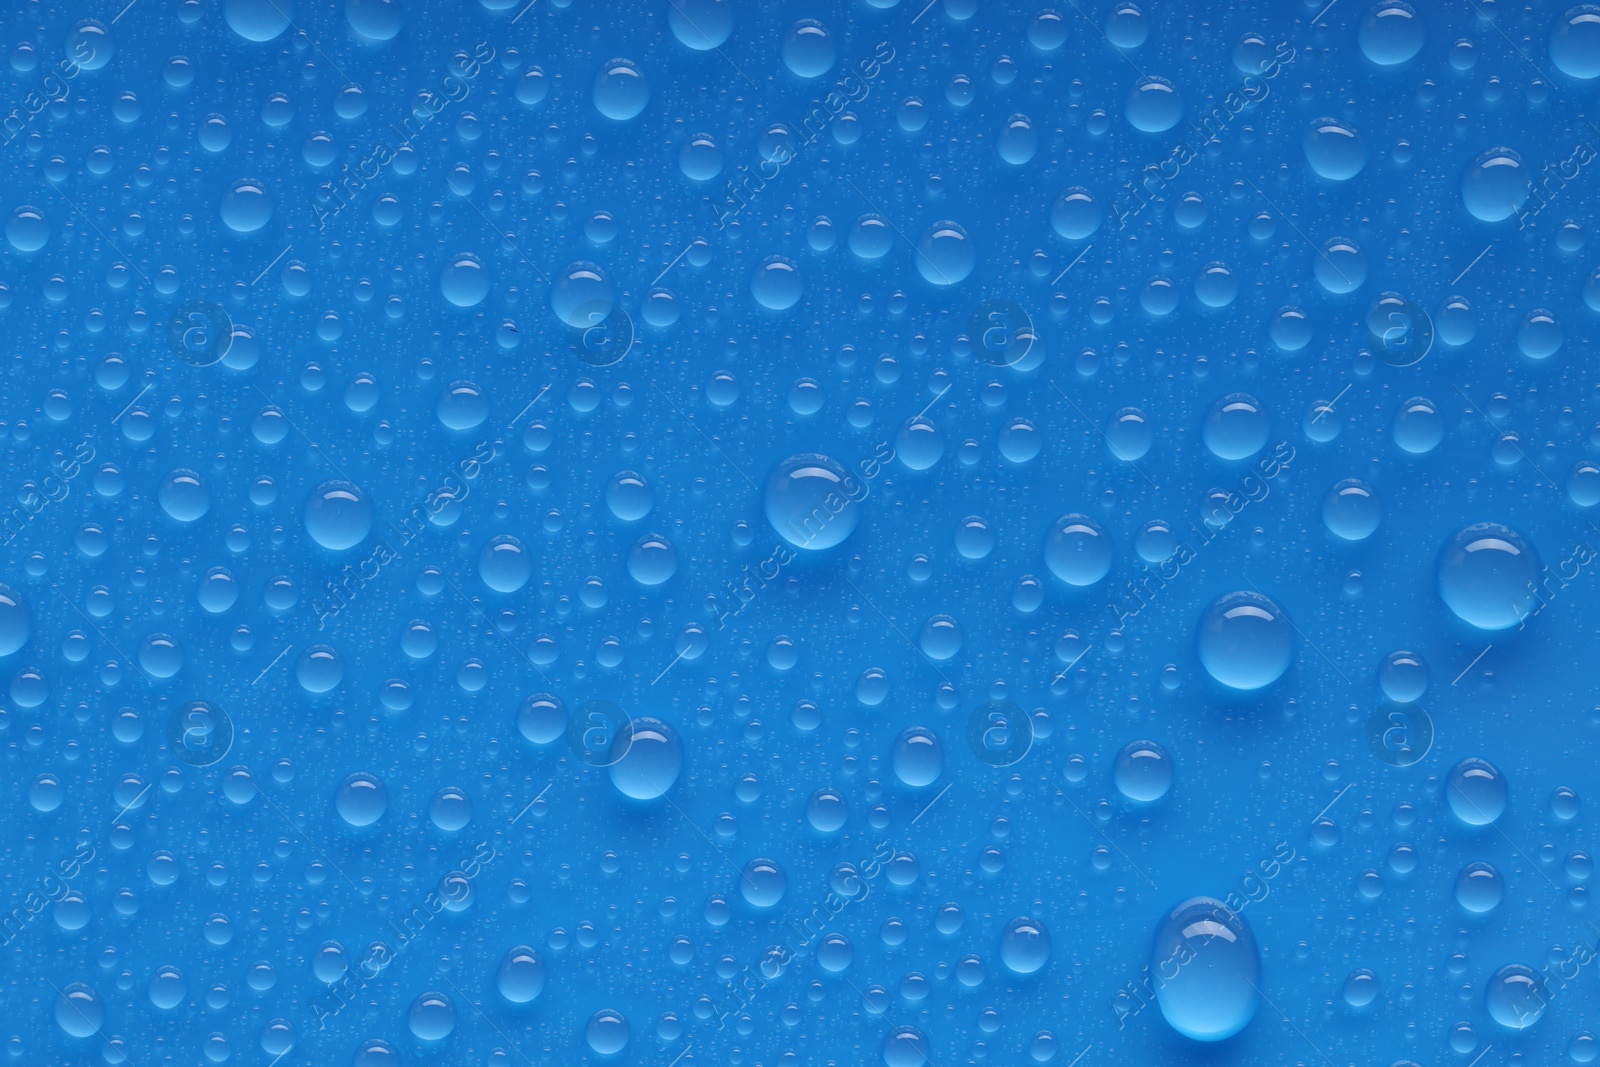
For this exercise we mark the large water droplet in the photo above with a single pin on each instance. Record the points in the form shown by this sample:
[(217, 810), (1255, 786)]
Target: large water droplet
[(701, 24), (651, 759), (1024, 945), (1516, 996), (16, 620), (1245, 640), (813, 501), (1077, 550), (1391, 33), (620, 90), (763, 882), (1143, 772), (361, 799), (918, 757), (338, 515), (79, 1010), (1477, 791), (1495, 185), (1486, 574), (1479, 888), (521, 975), (1334, 149), (1216, 968)]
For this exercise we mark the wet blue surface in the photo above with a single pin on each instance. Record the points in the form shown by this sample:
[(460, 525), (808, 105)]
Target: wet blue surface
[(831, 533)]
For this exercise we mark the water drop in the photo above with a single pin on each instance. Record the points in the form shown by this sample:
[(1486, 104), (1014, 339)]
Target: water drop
[(1245, 640), (1213, 994), (1485, 575)]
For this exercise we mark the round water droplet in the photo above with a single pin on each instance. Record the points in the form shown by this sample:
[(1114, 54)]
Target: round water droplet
[(1575, 42), (827, 811), (1516, 996), (1391, 33), (1334, 149), (945, 255), (1403, 676), (1539, 336), (432, 1017), (1479, 888), (1213, 994), (777, 284), (1245, 640), (1076, 214), (319, 669), (701, 24), (505, 564), (620, 90), (375, 20), (1351, 510), (521, 975), (652, 560), (1418, 426), (1495, 185), (809, 50), (361, 799), (1583, 485), (542, 718), (918, 757), (906, 1047), (184, 496), (464, 281), (1341, 266), (1485, 574), (1236, 427), (582, 295), (813, 501), (27, 230), (246, 206), (1154, 105), (16, 620), (338, 515), (1477, 791), (1143, 772), (762, 883), (1024, 945), (648, 757), (1077, 550), (940, 638), (258, 20), (79, 1010)]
